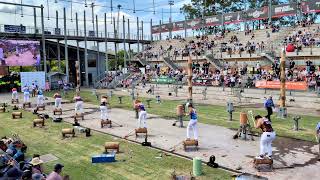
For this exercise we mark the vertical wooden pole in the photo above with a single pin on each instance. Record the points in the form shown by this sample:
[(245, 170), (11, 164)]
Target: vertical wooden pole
[(78, 76), (190, 79), (282, 80)]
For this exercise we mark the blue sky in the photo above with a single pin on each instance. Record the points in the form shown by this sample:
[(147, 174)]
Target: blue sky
[(144, 10)]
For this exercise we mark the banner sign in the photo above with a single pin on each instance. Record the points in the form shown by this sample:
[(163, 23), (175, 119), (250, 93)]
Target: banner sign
[(194, 24), (256, 14), (163, 80), (276, 85), (230, 18), (310, 6), (177, 26), (284, 10), (38, 78), (213, 20), (14, 29)]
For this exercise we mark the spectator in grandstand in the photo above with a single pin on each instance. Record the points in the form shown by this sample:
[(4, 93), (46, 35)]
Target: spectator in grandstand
[(308, 66), (269, 105)]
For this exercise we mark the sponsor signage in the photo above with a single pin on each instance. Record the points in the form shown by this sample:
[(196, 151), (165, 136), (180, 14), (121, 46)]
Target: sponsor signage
[(276, 85), (14, 29), (284, 10), (256, 14), (230, 18), (310, 6), (213, 20)]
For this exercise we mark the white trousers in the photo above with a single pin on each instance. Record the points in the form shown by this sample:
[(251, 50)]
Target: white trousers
[(104, 112), (78, 107), (194, 127), (142, 121), (40, 100), (14, 95), (57, 103), (265, 143), (26, 97)]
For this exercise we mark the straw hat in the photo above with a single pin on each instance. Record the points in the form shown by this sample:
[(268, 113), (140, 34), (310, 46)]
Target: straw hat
[(36, 161)]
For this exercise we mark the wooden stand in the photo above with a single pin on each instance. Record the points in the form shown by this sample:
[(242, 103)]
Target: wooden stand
[(141, 131), (57, 111), (27, 104), (14, 101), (68, 131), (76, 116), (259, 163), (38, 122), (2, 109), (190, 143), (112, 146), (16, 114), (105, 123), (43, 107)]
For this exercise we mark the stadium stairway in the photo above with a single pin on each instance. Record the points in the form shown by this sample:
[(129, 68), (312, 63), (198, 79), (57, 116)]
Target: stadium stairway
[(169, 63), (218, 63)]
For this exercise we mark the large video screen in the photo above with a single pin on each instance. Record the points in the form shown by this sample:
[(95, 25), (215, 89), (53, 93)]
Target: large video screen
[(19, 53)]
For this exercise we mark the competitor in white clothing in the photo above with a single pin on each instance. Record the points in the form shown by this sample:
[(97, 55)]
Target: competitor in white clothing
[(26, 94), (14, 95), (40, 98), (192, 123), (103, 108), (78, 104), (142, 120), (57, 100), (267, 136)]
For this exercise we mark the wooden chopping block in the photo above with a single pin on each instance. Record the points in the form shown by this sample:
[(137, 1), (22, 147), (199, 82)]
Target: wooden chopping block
[(67, 131), (263, 161), (13, 101), (141, 131), (105, 123), (16, 114), (43, 107), (27, 104), (76, 116), (2, 109), (191, 142), (111, 145), (57, 111), (38, 122)]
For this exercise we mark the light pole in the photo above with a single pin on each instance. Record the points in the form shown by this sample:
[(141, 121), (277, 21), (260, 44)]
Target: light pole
[(171, 3)]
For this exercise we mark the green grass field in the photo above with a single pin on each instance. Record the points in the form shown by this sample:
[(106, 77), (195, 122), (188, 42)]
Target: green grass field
[(212, 114), (134, 161)]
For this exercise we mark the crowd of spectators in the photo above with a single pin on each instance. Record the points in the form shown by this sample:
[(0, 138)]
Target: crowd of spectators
[(15, 165)]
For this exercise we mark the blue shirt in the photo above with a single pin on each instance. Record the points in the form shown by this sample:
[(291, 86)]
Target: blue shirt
[(268, 103), (141, 106), (193, 114), (25, 89), (318, 127), (40, 92)]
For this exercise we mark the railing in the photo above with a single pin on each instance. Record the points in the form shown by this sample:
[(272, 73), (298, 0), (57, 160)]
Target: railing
[(81, 33)]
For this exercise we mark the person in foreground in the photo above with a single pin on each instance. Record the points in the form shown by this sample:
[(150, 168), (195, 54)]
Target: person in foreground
[(318, 138), (56, 173), (268, 135)]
